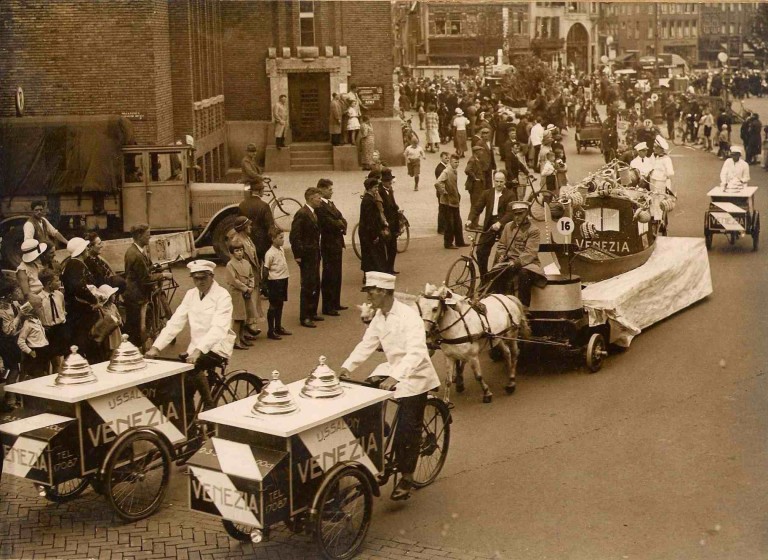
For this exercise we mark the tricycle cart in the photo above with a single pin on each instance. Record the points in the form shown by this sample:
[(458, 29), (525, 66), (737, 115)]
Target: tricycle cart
[(315, 469), (119, 433), (732, 213), (589, 134)]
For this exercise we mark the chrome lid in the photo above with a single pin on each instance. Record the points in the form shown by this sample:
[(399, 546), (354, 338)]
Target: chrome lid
[(76, 370), (275, 398), (126, 358), (322, 382)]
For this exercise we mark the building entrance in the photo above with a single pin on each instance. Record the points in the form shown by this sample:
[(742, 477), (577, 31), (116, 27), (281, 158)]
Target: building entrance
[(309, 100)]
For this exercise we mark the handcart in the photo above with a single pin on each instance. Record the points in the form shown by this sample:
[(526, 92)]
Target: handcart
[(315, 469), (732, 213), (589, 134)]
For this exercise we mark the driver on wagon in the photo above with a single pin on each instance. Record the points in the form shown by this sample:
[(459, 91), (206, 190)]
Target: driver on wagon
[(208, 309), (735, 171), (399, 330)]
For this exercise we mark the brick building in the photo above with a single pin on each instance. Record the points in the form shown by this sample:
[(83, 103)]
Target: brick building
[(725, 28), (209, 68)]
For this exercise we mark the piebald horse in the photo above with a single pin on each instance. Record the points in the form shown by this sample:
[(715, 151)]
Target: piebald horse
[(461, 330)]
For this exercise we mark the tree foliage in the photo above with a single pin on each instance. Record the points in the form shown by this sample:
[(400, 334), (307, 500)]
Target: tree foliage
[(531, 76)]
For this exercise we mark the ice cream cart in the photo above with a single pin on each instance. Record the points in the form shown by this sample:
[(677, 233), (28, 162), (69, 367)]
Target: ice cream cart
[(732, 212)]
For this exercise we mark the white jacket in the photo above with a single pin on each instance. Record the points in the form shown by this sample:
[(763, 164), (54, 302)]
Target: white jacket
[(537, 135), (404, 341), (734, 174), (209, 322), (643, 165)]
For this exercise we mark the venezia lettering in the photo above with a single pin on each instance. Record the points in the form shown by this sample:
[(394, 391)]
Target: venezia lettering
[(610, 246), (315, 466), (130, 394), (25, 458), (229, 497), (155, 416)]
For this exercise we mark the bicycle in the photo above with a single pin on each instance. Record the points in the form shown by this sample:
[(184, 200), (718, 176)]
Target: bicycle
[(283, 208), (403, 237), (463, 273), (154, 314)]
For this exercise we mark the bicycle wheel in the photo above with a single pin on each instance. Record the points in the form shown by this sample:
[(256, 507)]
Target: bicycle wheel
[(462, 277), (237, 531), (404, 237), (435, 439), (66, 491), (356, 241), (238, 386), (149, 329), (283, 211), (136, 475), (343, 514)]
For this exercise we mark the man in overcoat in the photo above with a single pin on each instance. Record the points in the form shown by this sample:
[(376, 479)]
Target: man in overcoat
[(280, 116), (335, 118), (373, 230), (333, 227), (305, 242), (392, 214)]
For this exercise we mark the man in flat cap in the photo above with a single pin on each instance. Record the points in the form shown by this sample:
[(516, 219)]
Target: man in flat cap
[(252, 173), (399, 330), (208, 309)]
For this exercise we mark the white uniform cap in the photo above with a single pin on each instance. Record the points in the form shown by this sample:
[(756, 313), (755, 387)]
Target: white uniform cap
[(201, 266), (382, 280), (662, 142), (641, 146), (737, 149)]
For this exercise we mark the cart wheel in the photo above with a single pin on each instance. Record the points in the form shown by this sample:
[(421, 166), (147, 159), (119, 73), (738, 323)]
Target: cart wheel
[(136, 475), (237, 531), (66, 491), (356, 241), (755, 231), (435, 439), (343, 516), (595, 352), (462, 277), (708, 235), (238, 386)]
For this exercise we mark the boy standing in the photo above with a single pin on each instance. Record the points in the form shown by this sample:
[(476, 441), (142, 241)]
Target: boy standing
[(54, 317), (275, 277), (413, 156)]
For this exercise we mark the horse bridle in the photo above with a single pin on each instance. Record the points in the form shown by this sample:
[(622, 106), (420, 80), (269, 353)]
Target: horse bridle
[(434, 333)]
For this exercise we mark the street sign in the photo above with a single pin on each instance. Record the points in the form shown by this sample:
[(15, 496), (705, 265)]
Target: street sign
[(371, 96)]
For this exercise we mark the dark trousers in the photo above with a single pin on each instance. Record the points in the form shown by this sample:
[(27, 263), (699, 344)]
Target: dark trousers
[(310, 287), (331, 282), (440, 217), (484, 248), (453, 230), (280, 141), (536, 150), (198, 379), (336, 139), (133, 323), (407, 439), (391, 252), (38, 366), (517, 282)]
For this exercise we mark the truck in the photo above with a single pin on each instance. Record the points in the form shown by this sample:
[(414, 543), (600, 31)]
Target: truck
[(94, 176)]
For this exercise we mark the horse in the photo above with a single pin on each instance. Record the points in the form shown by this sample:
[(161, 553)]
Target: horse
[(461, 328)]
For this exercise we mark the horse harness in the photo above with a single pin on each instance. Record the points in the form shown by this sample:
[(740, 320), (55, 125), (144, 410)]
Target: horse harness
[(480, 308)]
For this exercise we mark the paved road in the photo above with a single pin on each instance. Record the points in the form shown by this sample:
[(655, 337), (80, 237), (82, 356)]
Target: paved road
[(660, 455)]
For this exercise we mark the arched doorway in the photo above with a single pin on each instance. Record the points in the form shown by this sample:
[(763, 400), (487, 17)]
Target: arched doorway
[(577, 47)]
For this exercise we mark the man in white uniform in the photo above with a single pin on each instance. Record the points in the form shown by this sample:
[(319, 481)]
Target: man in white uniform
[(208, 309), (400, 331), (642, 162), (735, 171)]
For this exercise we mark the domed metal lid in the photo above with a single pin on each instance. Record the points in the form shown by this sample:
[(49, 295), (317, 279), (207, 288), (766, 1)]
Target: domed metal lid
[(75, 371), (322, 382), (126, 358), (275, 398)]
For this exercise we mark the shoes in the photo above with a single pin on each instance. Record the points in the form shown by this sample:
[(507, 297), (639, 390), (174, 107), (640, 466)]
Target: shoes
[(245, 342), (248, 337), (395, 272), (415, 189), (332, 313), (254, 331), (402, 491), (273, 336), (317, 318), (281, 331), (309, 324), (463, 245), (239, 346), (450, 247), (342, 308)]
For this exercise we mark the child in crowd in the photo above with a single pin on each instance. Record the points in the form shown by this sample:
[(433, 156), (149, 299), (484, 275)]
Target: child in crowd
[(33, 343), (241, 283), (54, 317), (723, 143), (275, 280), (109, 309), (10, 323), (413, 156), (561, 169), (548, 173)]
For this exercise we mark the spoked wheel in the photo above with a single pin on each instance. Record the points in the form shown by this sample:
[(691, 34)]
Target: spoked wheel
[(356, 241), (462, 277), (283, 211), (404, 237), (343, 516), (237, 531), (435, 438), (136, 475), (596, 352), (238, 386), (537, 200), (66, 491)]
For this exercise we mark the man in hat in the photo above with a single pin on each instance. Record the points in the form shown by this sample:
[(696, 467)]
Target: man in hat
[(517, 257), (305, 242), (642, 162), (373, 229), (333, 227), (392, 214), (399, 330), (208, 309), (735, 171), (252, 174), (484, 153), (448, 192), (38, 227), (260, 215)]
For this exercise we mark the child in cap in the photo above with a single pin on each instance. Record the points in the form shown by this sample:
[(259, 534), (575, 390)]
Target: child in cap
[(724, 145), (275, 281), (240, 283), (413, 156)]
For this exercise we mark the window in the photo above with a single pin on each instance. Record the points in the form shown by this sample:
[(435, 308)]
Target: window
[(307, 23), (637, 30), (651, 9), (165, 167), (687, 30), (722, 29), (694, 30), (605, 219), (733, 29), (663, 8), (650, 31), (134, 168)]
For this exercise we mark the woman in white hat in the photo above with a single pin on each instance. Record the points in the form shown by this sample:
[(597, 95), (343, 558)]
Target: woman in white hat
[(460, 123), (29, 269), (81, 303)]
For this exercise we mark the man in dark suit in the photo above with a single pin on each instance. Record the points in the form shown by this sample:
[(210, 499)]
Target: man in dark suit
[(305, 243), (373, 229), (392, 214), (258, 211), (485, 156), (444, 159), (494, 203), (138, 281), (333, 226)]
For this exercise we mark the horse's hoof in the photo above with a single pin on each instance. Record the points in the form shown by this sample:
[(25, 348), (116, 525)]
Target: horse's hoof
[(487, 399), (459, 388), (510, 389)]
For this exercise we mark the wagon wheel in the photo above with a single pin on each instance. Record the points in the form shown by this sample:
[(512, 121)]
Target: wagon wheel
[(66, 491), (595, 352), (708, 235), (344, 507), (755, 231), (136, 474)]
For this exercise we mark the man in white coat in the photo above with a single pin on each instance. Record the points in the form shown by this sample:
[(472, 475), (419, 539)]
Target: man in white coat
[(735, 171), (280, 116), (642, 162), (400, 331), (208, 309)]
